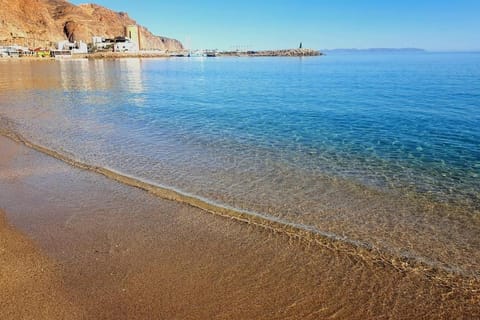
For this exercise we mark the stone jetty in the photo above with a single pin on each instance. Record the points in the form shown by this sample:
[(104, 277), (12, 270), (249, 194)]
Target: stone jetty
[(274, 53)]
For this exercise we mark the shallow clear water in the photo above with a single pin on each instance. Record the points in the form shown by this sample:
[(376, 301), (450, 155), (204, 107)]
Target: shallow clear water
[(379, 149)]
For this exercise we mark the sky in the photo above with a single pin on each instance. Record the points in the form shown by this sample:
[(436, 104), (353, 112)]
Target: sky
[(437, 25)]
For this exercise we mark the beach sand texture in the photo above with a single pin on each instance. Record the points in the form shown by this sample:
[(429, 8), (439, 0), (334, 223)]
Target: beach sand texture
[(76, 245), (29, 282)]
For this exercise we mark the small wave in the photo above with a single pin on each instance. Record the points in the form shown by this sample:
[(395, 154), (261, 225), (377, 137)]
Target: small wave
[(306, 233)]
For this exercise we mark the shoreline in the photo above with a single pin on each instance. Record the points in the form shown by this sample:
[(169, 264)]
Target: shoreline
[(141, 55), (106, 237), (303, 233)]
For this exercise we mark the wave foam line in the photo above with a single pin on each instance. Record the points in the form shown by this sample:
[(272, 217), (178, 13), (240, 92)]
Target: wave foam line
[(309, 234)]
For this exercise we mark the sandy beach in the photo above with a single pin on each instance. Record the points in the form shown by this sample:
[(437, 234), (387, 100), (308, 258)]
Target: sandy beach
[(31, 288), (76, 245)]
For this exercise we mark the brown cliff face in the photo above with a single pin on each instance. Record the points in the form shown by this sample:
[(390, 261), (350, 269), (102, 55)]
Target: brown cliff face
[(39, 22)]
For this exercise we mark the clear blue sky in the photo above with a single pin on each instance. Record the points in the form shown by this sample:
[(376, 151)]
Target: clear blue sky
[(319, 24)]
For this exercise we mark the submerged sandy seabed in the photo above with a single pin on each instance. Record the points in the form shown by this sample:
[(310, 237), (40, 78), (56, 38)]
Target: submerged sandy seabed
[(75, 245)]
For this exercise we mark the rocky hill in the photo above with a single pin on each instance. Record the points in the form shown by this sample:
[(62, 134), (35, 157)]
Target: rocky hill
[(39, 22)]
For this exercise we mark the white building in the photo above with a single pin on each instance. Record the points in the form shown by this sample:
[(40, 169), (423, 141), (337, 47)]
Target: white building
[(14, 51), (124, 44), (101, 43), (119, 44), (97, 40), (74, 47), (3, 52)]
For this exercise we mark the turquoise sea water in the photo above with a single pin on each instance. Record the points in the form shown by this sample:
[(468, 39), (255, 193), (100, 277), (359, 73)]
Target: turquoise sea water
[(383, 149)]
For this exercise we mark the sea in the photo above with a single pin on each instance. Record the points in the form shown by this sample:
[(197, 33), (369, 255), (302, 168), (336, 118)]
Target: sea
[(376, 150)]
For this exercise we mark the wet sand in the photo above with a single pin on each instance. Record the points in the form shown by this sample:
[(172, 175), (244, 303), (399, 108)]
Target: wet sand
[(29, 282), (76, 245)]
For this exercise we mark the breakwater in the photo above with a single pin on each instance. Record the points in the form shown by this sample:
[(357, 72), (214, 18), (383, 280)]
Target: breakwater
[(275, 53)]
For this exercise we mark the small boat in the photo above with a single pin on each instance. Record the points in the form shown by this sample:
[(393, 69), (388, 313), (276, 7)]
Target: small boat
[(211, 54), (197, 53)]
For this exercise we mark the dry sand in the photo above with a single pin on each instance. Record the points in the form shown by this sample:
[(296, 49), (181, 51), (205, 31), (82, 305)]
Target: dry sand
[(89, 248)]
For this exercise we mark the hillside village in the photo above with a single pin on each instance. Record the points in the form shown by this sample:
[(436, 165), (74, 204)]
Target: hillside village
[(127, 42), (40, 28)]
